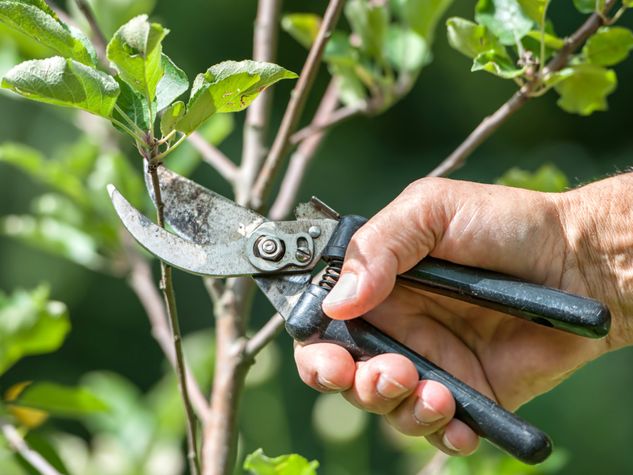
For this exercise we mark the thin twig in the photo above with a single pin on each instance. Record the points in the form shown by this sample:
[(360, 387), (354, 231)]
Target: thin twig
[(303, 156), (335, 118), (254, 149), (296, 104), (19, 445), (435, 465), (214, 157), (490, 124), (141, 281), (167, 288), (98, 38), (264, 335)]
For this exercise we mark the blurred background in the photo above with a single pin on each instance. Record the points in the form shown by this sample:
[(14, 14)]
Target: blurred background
[(362, 165)]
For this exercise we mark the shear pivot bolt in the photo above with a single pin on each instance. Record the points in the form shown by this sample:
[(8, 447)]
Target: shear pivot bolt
[(269, 248)]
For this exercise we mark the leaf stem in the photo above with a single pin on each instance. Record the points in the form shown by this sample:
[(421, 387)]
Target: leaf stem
[(19, 445), (129, 120), (178, 143), (126, 129)]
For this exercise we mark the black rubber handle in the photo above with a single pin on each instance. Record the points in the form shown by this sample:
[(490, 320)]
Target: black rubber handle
[(308, 323), (539, 304)]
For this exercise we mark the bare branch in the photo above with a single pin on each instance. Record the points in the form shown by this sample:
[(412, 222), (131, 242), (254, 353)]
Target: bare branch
[(19, 445), (435, 465), (264, 335), (98, 38), (334, 119), (490, 124), (167, 287), (258, 114), (303, 156), (141, 281), (296, 104), (214, 157)]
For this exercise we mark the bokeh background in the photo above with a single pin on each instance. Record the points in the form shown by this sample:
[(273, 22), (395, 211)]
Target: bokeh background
[(363, 164)]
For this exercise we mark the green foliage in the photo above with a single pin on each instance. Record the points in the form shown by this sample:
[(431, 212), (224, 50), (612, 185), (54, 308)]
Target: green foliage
[(228, 87), (64, 82), (609, 46), (136, 51), (583, 86), (111, 14), (589, 6), (30, 324), (547, 178), (173, 84), (37, 20), (303, 27), (586, 89), (59, 400), (258, 464)]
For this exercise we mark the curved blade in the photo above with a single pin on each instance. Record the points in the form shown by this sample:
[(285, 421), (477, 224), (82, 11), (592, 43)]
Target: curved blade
[(218, 260), (199, 214)]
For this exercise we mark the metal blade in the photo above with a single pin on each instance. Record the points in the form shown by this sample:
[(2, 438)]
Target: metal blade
[(199, 214), (218, 260), (283, 291)]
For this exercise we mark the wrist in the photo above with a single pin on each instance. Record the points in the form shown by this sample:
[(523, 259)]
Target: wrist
[(597, 221)]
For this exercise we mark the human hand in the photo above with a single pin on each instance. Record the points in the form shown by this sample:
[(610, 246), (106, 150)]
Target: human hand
[(534, 236)]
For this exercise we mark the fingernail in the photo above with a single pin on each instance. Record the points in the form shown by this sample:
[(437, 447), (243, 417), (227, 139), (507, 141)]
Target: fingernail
[(344, 290), (447, 443), (327, 384), (425, 414), (389, 388)]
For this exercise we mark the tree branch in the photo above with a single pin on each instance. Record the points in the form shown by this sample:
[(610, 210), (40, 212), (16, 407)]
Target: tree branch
[(296, 104), (141, 281), (491, 123), (335, 118), (172, 313), (19, 445), (98, 38), (264, 335), (211, 155), (254, 150), (303, 156)]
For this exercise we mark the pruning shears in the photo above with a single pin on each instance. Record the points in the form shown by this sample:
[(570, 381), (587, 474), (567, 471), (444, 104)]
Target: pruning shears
[(213, 236)]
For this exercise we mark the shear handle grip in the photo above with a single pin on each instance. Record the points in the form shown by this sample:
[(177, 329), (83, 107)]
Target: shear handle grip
[(307, 323), (536, 303)]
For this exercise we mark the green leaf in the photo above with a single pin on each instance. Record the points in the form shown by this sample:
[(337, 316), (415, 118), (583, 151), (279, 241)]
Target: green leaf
[(258, 464), (49, 172), (173, 84), (64, 82), (551, 41), (497, 64), (472, 39), (547, 178), (627, 3), (59, 400), (134, 106), (406, 50), (228, 87), (608, 46), (535, 9), (30, 324), (586, 88), (589, 6), (136, 50), (55, 237), (351, 90), (370, 22), (338, 50), (303, 27), (421, 15), (504, 18), (35, 19), (171, 117)]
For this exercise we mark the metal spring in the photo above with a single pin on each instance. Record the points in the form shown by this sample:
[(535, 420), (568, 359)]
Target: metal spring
[(332, 274)]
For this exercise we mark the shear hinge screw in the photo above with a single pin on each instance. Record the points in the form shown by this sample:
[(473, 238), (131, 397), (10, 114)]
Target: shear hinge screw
[(269, 248), (303, 255)]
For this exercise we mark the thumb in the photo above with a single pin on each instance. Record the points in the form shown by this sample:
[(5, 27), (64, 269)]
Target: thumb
[(390, 243)]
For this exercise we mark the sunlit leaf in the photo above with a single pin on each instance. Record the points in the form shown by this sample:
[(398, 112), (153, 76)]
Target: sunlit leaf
[(64, 82), (586, 88), (173, 84), (421, 15), (551, 41), (497, 64), (472, 39), (303, 27), (406, 50), (37, 20), (259, 464), (171, 116), (504, 18), (27, 417), (547, 178), (535, 9), (608, 46), (370, 22), (589, 6), (228, 87), (136, 51), (59, 400), (30, 324)]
